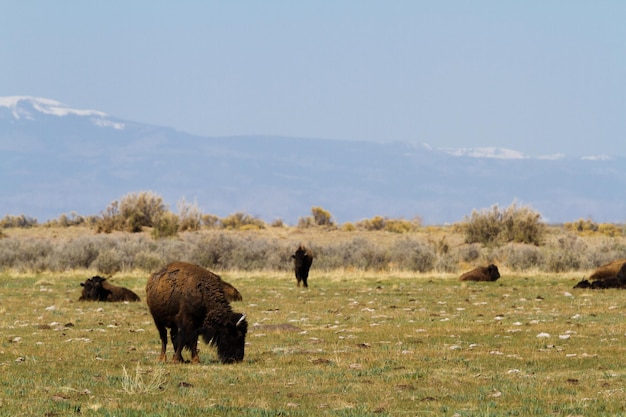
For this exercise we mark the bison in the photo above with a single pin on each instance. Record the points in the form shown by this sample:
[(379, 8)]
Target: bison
[(608, 270), (99, 289), (302, 260), (617, 281), (231, 292), (601, 284), (483, 273), (191, 302)]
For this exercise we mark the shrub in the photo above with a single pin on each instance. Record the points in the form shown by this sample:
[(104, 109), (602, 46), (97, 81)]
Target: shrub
[(241, 220), (566, 255), (165, 226), (190, 216), (375, 223), (20, 221), (133, 212), (357, 253), (108, 262), (581, 225), (66, 221), (414, 255), (305, 222), (494, 227), (278, 223), (322, 217), (520, 257), (210, 221), (148, 261), (348, 227), (76, 253)]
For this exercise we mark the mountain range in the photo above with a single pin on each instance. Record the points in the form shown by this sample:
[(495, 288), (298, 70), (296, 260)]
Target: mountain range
[(60, 160)]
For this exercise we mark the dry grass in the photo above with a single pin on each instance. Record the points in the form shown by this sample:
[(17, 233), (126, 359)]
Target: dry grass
[(355, 343)]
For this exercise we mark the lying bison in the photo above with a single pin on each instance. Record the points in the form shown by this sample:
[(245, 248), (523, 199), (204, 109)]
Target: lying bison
[(99, 289), (617, 281), (482, 273), (608, 270), (191, 301), (302, 260)]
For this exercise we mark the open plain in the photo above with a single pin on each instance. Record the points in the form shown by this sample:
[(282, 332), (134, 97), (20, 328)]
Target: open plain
[(354, 343)]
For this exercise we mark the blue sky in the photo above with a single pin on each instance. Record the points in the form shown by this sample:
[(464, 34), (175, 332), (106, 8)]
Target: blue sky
[(541, 77)]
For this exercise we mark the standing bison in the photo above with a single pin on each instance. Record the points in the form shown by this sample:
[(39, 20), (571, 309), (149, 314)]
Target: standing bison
[(99, 289), (231, 292), (302, 260), (190, 301), (483, 273)]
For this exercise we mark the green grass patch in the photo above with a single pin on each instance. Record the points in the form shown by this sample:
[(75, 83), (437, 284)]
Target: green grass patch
[(354, 344)]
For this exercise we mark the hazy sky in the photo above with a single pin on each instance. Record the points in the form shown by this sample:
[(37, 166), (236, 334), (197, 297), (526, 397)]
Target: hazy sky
[(541, 77)]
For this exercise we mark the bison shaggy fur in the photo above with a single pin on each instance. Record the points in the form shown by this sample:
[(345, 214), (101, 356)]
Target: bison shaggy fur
[(191, 302), (302, 260), (99, 289), (482, 273), (231, 292), (608, 270)]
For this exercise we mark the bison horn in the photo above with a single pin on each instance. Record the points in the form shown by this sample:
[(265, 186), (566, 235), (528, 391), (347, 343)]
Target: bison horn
[(243, 317)]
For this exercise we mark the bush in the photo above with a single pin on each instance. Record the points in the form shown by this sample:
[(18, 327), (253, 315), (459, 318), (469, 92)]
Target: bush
[(165, 226), (190, 216), (241, 221), (319, 217), (322, 217), (108, 262), (414, 255), (20, 221), (520, 257), (132, 213), (493, 227)]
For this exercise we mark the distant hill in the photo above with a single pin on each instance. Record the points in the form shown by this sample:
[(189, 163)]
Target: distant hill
[(59, 160)]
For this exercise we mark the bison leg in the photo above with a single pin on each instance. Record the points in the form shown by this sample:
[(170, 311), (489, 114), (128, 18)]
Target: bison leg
[(163, 336), (179, 344), (193, 346)]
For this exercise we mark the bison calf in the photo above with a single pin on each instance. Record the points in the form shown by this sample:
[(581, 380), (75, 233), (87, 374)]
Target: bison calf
[(191, 301), (483, 273), (302, 260), (99, 289)]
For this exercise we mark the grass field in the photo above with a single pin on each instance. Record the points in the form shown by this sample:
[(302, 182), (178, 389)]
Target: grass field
[(353, 344)]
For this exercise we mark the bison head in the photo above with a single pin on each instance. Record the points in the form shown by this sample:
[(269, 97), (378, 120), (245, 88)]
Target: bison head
[(493, 272), (230, 339), (93, 289)]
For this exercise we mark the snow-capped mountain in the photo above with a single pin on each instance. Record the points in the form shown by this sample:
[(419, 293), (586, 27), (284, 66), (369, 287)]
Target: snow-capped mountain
[(58, 159), (29, 108)]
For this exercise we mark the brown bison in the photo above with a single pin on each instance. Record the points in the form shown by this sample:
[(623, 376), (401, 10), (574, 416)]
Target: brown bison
[(99, 289), (617, 281), (302, 260), (482, 273), (231, 292), (608, 270), (191, 302)]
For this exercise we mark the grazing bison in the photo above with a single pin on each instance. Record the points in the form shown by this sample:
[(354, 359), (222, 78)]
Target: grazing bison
[(99, 289), (190, 301), (608, 270), (231, 292), (482, 273), (617, 281), (302, 260)]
